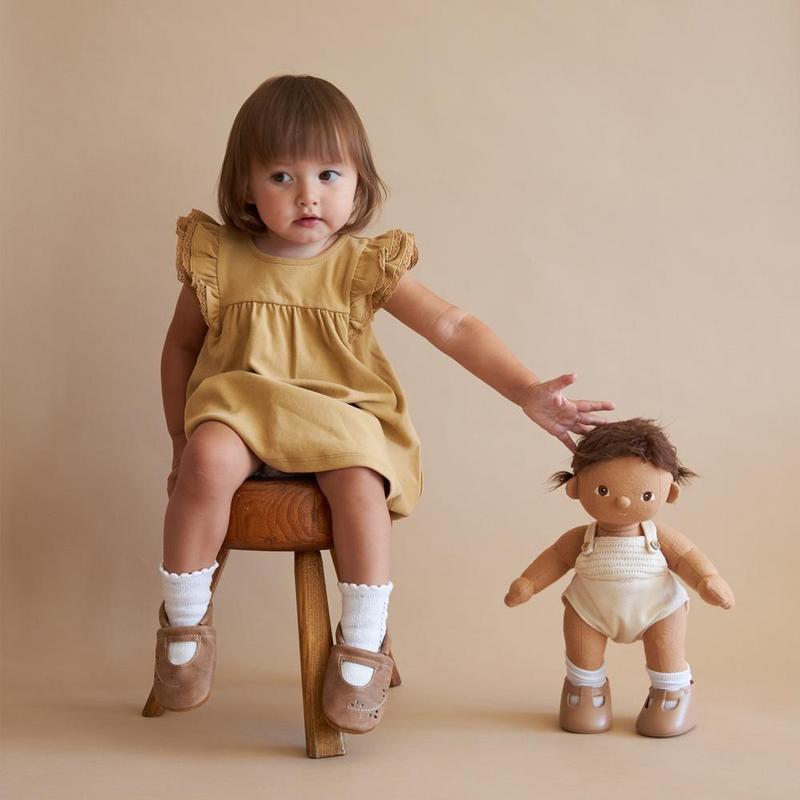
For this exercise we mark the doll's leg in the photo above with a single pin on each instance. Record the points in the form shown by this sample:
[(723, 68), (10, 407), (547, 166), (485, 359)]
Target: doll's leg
[(665, 651), (585, 697), (668, 709), (361, 536), (586, 647), (665, 643), (213, 465)]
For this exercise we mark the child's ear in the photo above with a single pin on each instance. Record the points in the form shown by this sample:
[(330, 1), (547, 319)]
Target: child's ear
[(674, 493), (572, 487)]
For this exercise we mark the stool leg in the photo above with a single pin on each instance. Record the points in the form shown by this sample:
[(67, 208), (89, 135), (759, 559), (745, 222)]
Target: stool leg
[(152, 708), (314, 627)]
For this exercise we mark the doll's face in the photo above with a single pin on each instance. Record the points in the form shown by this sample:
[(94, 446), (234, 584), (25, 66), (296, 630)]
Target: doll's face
[(623, 491)]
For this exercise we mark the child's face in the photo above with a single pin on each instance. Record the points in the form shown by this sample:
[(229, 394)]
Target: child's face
[(623, 491), (288, 193)]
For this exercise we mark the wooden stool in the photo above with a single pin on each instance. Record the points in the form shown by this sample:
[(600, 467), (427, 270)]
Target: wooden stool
[(291, 515)]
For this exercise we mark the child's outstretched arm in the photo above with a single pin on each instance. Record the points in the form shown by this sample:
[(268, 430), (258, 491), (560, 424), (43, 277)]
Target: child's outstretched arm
[(547, 567), (695, 567), (478, 349)]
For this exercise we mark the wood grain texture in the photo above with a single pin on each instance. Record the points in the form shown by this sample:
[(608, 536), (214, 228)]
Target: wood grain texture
[(279, 515), (314, 628)]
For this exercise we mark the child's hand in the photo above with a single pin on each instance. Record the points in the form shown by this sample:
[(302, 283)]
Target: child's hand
[(520, 591), (715, 590), (178, 443), (547, 406)]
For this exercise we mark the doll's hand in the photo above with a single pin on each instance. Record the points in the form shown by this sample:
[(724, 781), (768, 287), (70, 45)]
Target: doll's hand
[(520, 591), (715, 590), (547, 406)]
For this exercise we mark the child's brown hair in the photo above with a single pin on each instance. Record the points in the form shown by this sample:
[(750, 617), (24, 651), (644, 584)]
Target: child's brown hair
[(296, 116), (630, 437)]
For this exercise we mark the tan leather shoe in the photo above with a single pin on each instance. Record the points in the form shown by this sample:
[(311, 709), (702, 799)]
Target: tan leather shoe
[(356, 709), (584, 716), (182, 687), (656, 720)]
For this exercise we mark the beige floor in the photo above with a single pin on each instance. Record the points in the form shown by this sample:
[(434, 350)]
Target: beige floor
[(467, 738)]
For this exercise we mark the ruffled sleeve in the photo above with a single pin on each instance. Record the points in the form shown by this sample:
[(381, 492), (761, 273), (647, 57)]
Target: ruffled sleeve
[(383, 261), (196, 261)]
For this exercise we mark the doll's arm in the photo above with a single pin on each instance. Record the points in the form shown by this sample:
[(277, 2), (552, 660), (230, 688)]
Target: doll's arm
[(695, 567), (547, 567)]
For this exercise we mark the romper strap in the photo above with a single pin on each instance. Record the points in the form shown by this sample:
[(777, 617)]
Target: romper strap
[(588, 539), (651, 535)]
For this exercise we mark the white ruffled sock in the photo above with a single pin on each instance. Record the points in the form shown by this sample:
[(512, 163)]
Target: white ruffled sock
[(186, 599), (585, 677), (670, 681), (365, 609)]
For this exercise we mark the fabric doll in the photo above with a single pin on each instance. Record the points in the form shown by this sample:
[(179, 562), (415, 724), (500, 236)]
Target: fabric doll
[(623, 589)]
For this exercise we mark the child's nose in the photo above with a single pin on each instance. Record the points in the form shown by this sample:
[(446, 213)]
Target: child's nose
[(622, 501)]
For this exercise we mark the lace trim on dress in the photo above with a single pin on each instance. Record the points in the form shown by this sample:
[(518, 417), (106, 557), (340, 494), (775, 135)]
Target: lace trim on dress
[(395, 258), (185, 229)]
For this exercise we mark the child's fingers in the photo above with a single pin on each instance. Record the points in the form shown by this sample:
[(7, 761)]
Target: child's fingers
[(591, 419), (567, 440), (594, 405), (562, 381)]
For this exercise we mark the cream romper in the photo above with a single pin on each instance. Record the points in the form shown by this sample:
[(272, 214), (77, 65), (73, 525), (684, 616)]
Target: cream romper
[(622, 584)]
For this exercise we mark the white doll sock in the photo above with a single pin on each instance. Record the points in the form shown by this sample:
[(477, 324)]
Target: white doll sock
[(186, 598), (670, 681), (365, 609), (585, 677)]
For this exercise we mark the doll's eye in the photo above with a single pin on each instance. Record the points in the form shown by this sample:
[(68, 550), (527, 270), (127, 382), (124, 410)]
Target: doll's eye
[(602, 491), (647, 497)]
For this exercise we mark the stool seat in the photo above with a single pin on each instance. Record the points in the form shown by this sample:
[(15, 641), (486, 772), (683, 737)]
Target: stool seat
[(279, 515)]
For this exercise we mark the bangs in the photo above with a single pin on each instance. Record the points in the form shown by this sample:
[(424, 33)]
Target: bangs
[(299, 128)]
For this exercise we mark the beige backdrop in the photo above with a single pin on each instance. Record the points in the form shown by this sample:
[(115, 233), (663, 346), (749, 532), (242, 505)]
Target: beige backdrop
[(613, 186)]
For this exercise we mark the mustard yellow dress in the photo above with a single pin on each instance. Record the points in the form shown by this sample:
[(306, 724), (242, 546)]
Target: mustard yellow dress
[(290, 361)]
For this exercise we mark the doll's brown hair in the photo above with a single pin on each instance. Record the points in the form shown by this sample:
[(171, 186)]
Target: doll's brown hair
[(296, 116), (630, 437)]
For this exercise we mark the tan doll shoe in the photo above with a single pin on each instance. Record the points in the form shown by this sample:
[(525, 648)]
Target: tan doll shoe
[(656, 720), (182, 687), (356, 709), (584, 716)]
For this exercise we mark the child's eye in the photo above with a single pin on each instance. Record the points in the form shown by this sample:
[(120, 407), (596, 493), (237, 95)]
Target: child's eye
[(332, 172), (601, 490), (647, 497), (277, 177)]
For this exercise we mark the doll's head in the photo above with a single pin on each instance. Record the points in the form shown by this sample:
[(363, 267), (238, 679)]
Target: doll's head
[(624, 472), (298, 149)]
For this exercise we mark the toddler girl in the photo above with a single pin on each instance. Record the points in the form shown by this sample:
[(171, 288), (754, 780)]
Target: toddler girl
[(270, 366)]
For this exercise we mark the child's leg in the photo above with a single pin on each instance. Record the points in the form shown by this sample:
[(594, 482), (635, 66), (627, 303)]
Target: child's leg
[(214, 463), (361, 536), (665, 651), (361, 523)]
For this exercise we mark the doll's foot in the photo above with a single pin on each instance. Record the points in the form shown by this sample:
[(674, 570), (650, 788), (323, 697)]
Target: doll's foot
[(667, 713), (182, 687), (585, 709), (357, 709)]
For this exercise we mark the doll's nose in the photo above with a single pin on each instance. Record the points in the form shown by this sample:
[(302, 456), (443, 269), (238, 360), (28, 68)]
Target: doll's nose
[(622, 502)]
